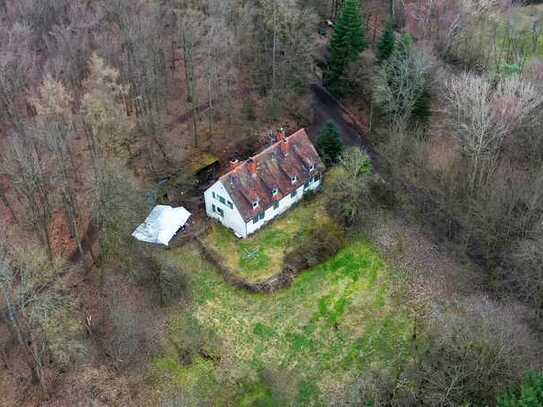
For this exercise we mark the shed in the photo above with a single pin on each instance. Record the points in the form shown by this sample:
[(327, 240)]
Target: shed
[(162, 224)]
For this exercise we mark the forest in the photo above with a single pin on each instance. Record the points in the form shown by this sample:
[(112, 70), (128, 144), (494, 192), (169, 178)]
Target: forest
[(414, 277)]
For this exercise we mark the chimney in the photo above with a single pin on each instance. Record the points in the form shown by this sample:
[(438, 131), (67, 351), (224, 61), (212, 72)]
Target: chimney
[(281, 134), (252, 166), (284, 147)]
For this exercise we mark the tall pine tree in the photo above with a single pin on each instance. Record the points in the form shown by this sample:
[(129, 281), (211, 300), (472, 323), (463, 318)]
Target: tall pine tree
[(386, 44), (348, 41)]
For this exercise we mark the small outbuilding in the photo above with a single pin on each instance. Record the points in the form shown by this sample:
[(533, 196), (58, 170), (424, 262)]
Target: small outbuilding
[(162, 224)]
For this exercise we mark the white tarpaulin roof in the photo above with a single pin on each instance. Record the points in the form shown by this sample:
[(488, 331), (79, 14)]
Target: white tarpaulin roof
[(162, 224)]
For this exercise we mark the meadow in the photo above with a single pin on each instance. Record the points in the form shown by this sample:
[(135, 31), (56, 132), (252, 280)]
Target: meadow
[(306, 343)]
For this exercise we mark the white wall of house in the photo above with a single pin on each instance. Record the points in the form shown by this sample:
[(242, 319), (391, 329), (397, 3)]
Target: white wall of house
[(229, 217), (284, 204)]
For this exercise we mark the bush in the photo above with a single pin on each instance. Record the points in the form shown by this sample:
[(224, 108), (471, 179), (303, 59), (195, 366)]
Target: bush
[(521, 274), (314, 246), (166, 283), (190, 339), (349, 196), (174, 285), (469, 352), (381, 192), (464, 354)]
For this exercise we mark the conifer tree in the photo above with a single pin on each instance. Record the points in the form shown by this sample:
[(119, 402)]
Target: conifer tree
[(422, 108), (329, 143), (348, 40), (386, 44)]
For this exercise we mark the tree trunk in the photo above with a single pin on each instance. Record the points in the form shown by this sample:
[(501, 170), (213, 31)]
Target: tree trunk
[(191, 83)]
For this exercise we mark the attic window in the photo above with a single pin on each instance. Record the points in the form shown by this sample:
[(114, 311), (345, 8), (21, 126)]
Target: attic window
[(312, 168), (255, 204), (275, 191), (293, 179)]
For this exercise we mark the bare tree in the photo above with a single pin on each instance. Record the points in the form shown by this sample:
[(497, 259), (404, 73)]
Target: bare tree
[(522, 271), (191, 25), (104, 112), (401, 81), (482, 114), (40, 315), (24, 165), (55, 123)]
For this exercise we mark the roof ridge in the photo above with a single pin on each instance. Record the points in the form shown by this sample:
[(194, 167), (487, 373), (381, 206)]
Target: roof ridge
[(287, 173), (267, 149)]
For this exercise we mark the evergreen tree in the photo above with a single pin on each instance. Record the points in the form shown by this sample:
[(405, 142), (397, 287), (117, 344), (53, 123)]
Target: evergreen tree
[(530, 393), (329, 143), (386, 44), (348, 40), (422, 108)]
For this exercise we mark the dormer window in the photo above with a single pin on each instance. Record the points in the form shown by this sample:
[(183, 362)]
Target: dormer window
[(255, 204), (275, 191), (293, 179), (312, 168)]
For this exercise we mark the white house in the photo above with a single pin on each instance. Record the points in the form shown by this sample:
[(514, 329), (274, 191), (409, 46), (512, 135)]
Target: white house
[(255, 191)]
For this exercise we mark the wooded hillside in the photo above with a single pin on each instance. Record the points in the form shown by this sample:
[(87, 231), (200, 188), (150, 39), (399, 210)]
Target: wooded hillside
[(414, 277)]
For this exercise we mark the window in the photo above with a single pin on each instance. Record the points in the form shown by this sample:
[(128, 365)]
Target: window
[(275, 191), (222, 200), (312, 168), (293, 179), (255, 204), (213, 208), (220, 212), (213, 194), (276, 205), (258, 217), (316, 177), (306, 184), (230, 204), (293, 194)]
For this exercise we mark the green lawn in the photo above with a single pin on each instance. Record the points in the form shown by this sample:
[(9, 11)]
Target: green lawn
[(334, 322), (261, 255)]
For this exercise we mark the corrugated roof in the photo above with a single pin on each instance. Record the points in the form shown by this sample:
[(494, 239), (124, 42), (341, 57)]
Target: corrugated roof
[(274, 170)]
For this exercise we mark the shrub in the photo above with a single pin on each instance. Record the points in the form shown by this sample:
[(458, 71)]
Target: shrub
[(349, 197), (464, 354), (381, 192), (190, 339), (469, 351), (314, 246), (174, 285)]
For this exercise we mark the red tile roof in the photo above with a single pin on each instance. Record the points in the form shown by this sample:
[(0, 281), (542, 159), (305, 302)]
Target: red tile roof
[(274, 170)]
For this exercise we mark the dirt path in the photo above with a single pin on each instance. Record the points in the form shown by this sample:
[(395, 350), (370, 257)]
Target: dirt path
[(353, 133)]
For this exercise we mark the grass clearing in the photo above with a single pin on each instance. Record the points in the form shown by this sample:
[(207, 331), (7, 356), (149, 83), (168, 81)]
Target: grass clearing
[(335, 320), (261, 255)]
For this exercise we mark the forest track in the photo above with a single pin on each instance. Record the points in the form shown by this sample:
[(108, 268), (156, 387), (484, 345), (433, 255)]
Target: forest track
[(353, 134)]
